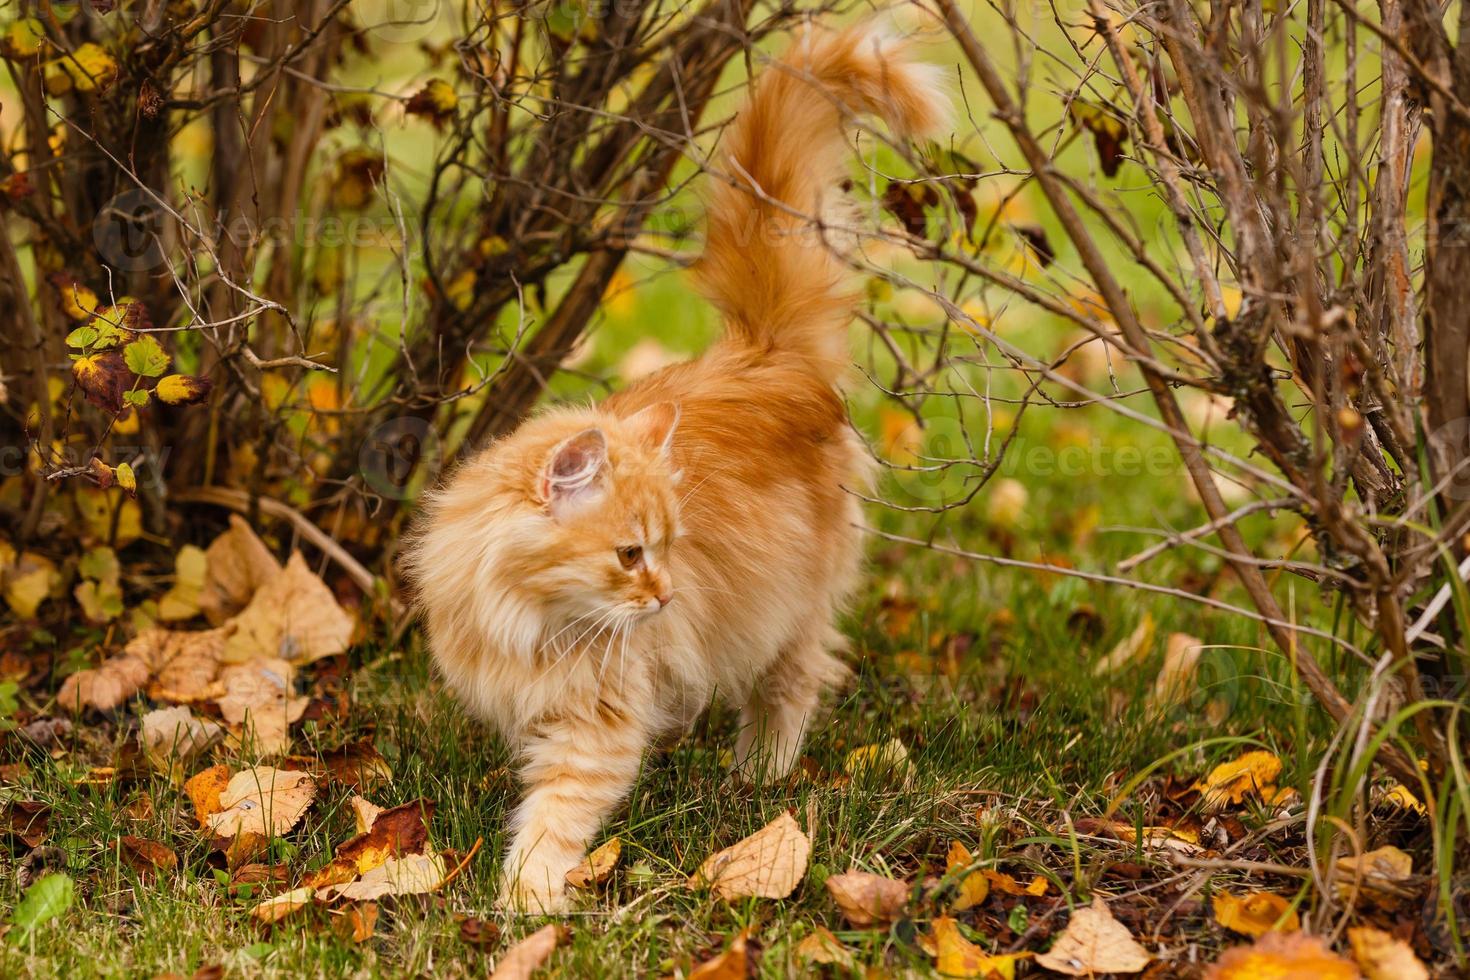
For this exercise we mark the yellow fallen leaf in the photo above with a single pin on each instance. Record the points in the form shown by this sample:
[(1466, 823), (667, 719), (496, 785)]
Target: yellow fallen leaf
[(1282, 956), (294, 616), (394, 833), (363, 813), (204, 789), (1255, 914), (185, 663), (1402, 798), (415, 874), (733, 963), (1253, 774), (283, 905), (974, 887), (1094, 942), (258, 698), (768, 864), (956, 956), (527, 956), (237, 564), (885, 757), (1008, 885), (263, 801), (169, 734), (597, 866), (820, 946), (1384, 957), (1129, 649), (1374, 872), (182, 600), (868, 899)]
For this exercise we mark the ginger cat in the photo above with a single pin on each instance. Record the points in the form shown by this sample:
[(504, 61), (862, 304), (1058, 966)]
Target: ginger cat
[(591, 580)]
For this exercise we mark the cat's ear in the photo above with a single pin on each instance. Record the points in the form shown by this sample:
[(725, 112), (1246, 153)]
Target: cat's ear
[(572, 472), (655, 426)]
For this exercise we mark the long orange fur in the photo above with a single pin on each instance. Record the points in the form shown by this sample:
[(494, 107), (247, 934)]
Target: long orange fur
[(726, 474)]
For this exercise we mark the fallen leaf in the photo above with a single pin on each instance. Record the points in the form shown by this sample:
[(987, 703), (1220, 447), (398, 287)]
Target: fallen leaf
[(263, 801), (597, 866), (144, 855), (1094, 942), (1401, 797), (169, 734), (363, 813), (822, 947), (1281, 956), (104, 687), (1129, 649), (1253, 774), (358, 765), (1255, 914), (885, 757), (29, 580), (1008, 885), (974, 887), (1176, 677), (283, 905), (479, 933), (294, 617), (182, 600), (237, 564), (258, 699), (204, 789), (43, 901), (1374, 872), (738, 961), (868, 899), (395, 833), (26, 819), (411, 875), (356, 922), (1384, 957), (768, 864), (956, 956), (526, 956)]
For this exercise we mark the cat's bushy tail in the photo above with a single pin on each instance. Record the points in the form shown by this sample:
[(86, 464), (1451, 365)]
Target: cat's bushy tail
[(767, 266)]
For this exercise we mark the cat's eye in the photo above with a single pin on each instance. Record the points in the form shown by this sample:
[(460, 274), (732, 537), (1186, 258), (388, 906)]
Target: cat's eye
[(630, 556)]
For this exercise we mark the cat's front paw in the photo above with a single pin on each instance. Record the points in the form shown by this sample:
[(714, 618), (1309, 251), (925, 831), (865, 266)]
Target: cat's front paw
[(524, 897)]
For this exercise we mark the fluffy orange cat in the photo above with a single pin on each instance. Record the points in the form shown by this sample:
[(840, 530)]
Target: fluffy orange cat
[(591, 580)]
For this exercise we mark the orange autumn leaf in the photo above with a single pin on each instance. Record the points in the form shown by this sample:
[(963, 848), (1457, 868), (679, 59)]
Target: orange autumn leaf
[(1255, 914)]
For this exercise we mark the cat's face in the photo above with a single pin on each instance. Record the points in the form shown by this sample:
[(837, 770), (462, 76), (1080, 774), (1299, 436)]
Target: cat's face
[(610, 493)]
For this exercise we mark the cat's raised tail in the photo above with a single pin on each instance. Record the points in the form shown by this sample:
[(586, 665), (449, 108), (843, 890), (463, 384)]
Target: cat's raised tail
[(767, 265)]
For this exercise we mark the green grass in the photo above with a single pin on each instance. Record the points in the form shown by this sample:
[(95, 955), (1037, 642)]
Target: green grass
[(1021, 731)]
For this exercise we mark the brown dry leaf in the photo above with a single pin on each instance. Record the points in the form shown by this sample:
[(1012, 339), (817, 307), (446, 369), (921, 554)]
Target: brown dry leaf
[(395, 833), (258, 700), (1255, 914), (237, 564), (1176, 676), (823, 947), (526, 956), (738, 961), (358, 765), (294, 616), (25, 819), (1094, 942), (768, 864), (1253, 774), (597, 866), (1374, 872), (356, 922), (1384, 957), (104, 687), (143, 855), (415, 874), (868, 899), (1129, 649), (956, 956), (184, 662), (170, 734), (363, 813), (263, 801), (283, 905), (974, 887), (204, 789), (479, 933), (1282, 956)]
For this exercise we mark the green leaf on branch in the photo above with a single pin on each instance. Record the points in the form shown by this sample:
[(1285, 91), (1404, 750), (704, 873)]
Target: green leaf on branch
[(144, 356)]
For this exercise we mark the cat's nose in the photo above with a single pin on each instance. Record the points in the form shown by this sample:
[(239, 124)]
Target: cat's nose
[(664, 597)]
